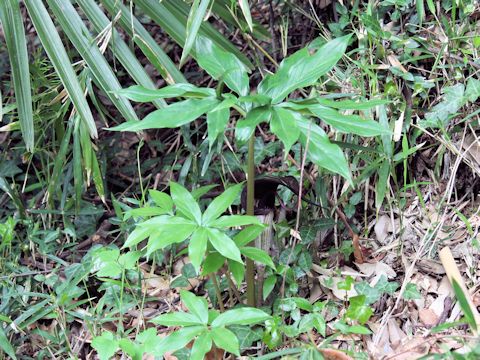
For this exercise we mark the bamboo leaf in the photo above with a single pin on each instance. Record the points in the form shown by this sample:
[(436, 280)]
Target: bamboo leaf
[(14, 31), (246, 12), (58, 56), (195, 19), (78, 34)]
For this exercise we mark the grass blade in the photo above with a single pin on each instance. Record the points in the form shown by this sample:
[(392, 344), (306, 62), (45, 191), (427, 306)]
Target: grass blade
[(195, 19), (246, 12), (78, 34), (145, 42), (120, 49), (58, 56), (14, 31)]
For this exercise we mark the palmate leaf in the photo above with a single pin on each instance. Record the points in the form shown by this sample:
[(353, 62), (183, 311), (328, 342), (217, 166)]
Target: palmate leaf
[(225, 339), (185, 203), (240, 316), (142, 94), (179, 339), (201, 346), (220, 204), (302, 69), (197, 247), (179, 318), (224, 245), (284, 125), (197, 305), (78, 34), (14, 31)]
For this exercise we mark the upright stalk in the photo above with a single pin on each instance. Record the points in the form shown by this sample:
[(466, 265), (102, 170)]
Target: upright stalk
[(250, 275)]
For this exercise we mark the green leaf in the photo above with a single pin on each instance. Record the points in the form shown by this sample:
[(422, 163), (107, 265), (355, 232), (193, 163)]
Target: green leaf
[(247, 235), (136, 236), (217, 121), (321, 151), (225, 339), (106, 345), (472, 93), (241, 316), (222, 65), (258, 255), (5, 345), (224, 245), (452, 101), (221, 203), (196, 305), (411, 292), (179, 339), (12, 24), (171, 116), (141, 94), (350, 124), (213, 262), (201, 346), (170, 234), (246, 13), (284, 125), (195, 18), (246, 127), (80, 37), (464, 304), (268, 285), (302, 69), (351, 104), (185, 203), (197, 247), (177, 319), (129, 259), (358, 310), (237, 270), (162, 200), (234, 220), (381, 185)]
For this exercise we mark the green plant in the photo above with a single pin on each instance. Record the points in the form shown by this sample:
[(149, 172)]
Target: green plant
[(201, 326), (288, 120)]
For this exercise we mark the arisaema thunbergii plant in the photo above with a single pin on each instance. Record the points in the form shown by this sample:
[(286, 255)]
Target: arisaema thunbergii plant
[(290, 119)]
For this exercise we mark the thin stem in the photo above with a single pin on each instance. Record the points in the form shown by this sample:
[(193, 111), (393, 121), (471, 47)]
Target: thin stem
[(217, 292), (250, 273)]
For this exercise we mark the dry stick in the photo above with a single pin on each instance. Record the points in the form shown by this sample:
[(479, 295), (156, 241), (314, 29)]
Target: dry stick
[(453, 274), (217, 292)]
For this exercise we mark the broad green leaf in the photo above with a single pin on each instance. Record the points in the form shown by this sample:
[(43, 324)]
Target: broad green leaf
[(201, 346), (179, 318), (268, 285), (358, 310), (78, 34), (162, 200), (350, 124), (146, 211), (217, 121), (283, 124), (106, 345), (241, 316), (195, 19), (213, 262), (246, 127), (237, 270), (321, 151), (472, 92), (171, 116), (12, 24), (129, 259), (222, 65), (5, 345), (302, 69), (179, 339), (163, 221), (226, 340), (142, 38), (258, 255), (234, 220), (141, 94), (185, 203), (221, 203), (452, 101), (411, 292), (381, 185), (169, 234), (136, 236), (196, 305), (197, 247), (118, 47), (247, 235), (224, 245)]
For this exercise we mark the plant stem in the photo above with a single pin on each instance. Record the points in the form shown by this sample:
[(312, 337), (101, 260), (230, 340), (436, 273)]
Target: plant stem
[(218, 292), (250, 273)]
